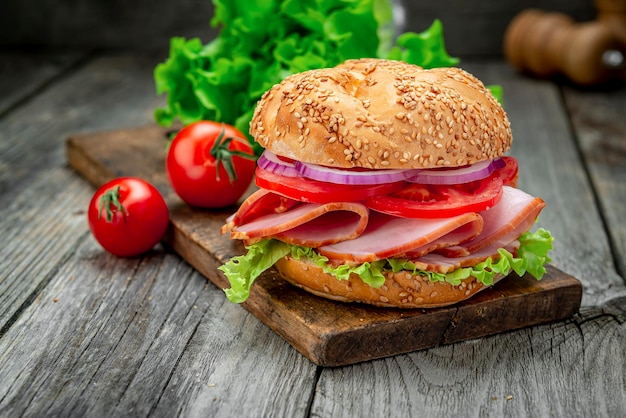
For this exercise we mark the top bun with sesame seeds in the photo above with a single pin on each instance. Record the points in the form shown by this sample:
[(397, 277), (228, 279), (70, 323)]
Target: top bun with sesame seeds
[(382, 114)]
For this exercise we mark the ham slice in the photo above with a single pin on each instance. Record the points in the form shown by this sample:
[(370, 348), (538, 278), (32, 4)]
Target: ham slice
[(348, 232), (442, 264), (513, 215), (262, 202), (389, 236), (458, 236), (308, 224)]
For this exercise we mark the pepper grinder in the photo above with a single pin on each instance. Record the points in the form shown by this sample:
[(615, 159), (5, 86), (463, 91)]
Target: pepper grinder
[(588, 53)]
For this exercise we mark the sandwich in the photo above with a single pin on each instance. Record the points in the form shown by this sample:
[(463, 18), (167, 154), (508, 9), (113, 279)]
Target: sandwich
[(387, 184)]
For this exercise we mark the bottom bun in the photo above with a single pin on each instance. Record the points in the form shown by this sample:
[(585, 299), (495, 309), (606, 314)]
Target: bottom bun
[(400, 290)]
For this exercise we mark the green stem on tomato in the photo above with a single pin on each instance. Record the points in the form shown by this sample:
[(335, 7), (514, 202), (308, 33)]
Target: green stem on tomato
[(111, 197), (223, 155)]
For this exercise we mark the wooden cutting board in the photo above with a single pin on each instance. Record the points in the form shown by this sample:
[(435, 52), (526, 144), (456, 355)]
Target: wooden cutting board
[(326, 332)]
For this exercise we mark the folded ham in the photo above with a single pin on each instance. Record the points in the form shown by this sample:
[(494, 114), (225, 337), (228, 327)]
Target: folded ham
[(514, 214), (308, 224), (262, 202), (350, 232), (388, 236), (442, 264)]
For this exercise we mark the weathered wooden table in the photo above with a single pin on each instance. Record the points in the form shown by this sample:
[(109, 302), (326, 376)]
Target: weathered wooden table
[(83, 333)]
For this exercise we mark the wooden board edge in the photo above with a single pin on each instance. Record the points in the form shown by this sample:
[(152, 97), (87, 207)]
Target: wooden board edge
[(82, 162), (556, 302), (551, 304)]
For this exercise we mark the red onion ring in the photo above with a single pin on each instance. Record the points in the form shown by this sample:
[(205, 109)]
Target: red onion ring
[(270, 162), (353, 177), (465, 174), (498, 163)]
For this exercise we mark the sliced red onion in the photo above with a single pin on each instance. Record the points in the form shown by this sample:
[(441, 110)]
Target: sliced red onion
[(460, 175), (270, 162), (354, 177), (498, 163)]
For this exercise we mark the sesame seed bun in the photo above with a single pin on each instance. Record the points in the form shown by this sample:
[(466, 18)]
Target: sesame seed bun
[(382, 114), (400, 290)]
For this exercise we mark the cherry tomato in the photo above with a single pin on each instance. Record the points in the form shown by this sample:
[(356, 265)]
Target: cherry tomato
[(314, 191), (440, 201), (210, 164), (127, 216)]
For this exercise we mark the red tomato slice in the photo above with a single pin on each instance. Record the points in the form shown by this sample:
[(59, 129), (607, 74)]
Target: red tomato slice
[(313, 191), (440, 201), (509, 172)]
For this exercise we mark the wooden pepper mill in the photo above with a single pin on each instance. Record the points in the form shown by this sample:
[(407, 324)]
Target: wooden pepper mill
[(587, 53)]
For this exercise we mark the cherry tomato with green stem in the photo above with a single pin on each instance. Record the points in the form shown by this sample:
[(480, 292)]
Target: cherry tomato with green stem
[(128, 216), (210, 164)]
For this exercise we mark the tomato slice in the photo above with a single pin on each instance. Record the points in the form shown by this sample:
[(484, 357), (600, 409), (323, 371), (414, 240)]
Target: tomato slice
[(313, 191), (509, 172), (440, 201)]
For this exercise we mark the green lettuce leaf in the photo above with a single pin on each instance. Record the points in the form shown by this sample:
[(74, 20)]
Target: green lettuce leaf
[(243, 270), (260, 42), (497, 92), (425, 49)]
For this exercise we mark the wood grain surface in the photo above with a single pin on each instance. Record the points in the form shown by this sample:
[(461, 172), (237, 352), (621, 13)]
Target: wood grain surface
[(84, 334)]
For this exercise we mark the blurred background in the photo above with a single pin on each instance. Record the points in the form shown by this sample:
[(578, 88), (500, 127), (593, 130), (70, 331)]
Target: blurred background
[(472, 28)]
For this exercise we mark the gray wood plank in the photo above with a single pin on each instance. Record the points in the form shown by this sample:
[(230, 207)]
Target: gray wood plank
[(40, 228), (566, 369), (148, 335), (599, 120), (23, 74), (107, 93), (40, 199), (88, 334)]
